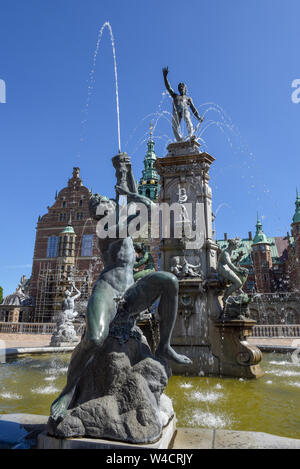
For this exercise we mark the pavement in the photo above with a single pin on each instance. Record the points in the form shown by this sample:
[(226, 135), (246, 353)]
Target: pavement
[(20, 431), (274, 341), (43, 340), (201, 438), (24, 340)]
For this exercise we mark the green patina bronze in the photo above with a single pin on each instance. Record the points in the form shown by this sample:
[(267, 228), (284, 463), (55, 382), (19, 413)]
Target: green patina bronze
[(146, 260), (234, 276)]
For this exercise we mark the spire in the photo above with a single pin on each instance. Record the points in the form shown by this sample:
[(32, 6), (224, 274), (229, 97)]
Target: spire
[(151, 130), (258, 224), (150, 153), (296, 217), (149, 182), (260, 237)]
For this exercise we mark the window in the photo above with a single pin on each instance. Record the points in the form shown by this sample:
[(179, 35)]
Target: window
[(52, 246), (64, 204), (87, 245), (79, 216), (62, 217), (80, 203)]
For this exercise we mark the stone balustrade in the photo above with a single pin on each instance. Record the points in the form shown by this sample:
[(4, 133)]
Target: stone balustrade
[(276, 330), (33, 328), (262, 330)]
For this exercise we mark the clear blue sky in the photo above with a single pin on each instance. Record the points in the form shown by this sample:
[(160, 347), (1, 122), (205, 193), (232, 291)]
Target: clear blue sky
[(242, 56)]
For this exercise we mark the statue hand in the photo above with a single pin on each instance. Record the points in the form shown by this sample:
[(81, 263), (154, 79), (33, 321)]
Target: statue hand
[(121, 190), (165, 71)]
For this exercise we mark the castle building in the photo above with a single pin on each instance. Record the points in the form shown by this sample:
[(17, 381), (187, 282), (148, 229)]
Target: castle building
[(294, 250), (273, 264), (65, 251), (262, 259), (266, 259)]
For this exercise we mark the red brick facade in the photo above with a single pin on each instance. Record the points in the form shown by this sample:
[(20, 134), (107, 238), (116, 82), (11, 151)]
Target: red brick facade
[(71, 204)]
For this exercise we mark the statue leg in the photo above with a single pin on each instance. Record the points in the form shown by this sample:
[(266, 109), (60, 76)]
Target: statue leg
[(236, 284), (176, 119), (100, 312), (189, 125), (142, 295)]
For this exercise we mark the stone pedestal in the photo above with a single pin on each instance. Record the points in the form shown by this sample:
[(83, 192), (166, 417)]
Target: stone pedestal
[(185, 170), (237, 357), (64, 334), (119, 396), (46, 441)]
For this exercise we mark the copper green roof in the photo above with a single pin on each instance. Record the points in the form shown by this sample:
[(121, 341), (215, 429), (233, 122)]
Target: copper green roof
[(68, 229), (260, 237), (296, 217)]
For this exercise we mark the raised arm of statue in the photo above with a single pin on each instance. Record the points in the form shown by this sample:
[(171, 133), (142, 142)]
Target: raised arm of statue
[(167, 84), (75, 297)]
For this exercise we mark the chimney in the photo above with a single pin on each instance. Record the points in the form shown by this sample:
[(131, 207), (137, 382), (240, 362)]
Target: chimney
[(225, 236), (250, 235)]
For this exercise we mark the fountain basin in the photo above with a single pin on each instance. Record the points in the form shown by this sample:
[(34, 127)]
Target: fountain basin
[(271, 404)]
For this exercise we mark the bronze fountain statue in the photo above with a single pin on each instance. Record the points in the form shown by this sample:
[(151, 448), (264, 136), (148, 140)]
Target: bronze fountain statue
[(181, 105)]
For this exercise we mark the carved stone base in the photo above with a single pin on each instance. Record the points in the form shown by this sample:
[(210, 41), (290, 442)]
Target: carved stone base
[(236, 357), (188, 147), (236, 308), (119, 395), (164, 442)]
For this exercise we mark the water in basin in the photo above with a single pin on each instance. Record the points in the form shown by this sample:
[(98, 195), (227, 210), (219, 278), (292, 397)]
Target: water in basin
[(270, 404)]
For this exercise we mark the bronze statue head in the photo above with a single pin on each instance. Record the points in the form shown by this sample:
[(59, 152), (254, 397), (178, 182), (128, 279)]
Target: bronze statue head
[(107, 206), (233, 243), (182, 88)]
